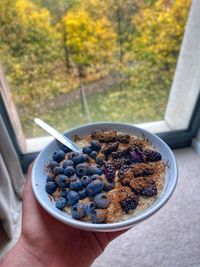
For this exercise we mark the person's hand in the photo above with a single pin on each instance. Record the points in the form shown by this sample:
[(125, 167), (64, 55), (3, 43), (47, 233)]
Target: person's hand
[(45, 241)]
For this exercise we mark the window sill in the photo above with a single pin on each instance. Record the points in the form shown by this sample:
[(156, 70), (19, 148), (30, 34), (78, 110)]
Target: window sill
[(38, 143)]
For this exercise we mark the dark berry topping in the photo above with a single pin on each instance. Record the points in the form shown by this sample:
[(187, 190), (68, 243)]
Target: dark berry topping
[(100, 159), (62, 181), (82, 193), (144, 186), (69, 171), (67, 163), (82, 169), (94, 188), (80, 159), (65, 149), (72, 198), (109, 171), (152, 155), (136, 156), (95, 170), (59, 155), (64, 192), (85, 180), (50, 187), (89, 207), (76, 185), (108, 186), (61, 202), (77, 211), (95, 145), (52, 164), (98, 216), (118, 163), (87, 150), (101, 201), (130, 203), (93, 154), (58, 170), (110, 148)]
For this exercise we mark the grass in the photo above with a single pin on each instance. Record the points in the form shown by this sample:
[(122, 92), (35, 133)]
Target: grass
[(115, 105)]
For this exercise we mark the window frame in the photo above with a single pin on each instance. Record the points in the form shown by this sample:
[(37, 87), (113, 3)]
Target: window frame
[(174, 138)]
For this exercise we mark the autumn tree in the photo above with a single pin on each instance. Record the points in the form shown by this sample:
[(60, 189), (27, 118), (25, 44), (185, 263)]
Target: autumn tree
[(29, 49), (90, 42), (159, 28)]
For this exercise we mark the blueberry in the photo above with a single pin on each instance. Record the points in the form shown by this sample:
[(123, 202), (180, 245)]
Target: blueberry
[(69, 171), (93, 154), (62, 181), (59, 155), (85, 180), (99, 170), (82, 193), (82, 169), (72, 198), (87, 150), (108, 186), (100, 159), (61, 203), (53, 164), (58, 170), (76, 185), (94, 188), (95, 177), (77, 211), (95, 145), (89, 207), (95, 170), (73, 154), (65, 149), (67, 163), (80, 159), (101, 201), (64, 192), (50, 177), (50, 187), (98, 216)]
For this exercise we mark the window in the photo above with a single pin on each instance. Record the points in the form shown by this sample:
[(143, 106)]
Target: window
[(86, 61)]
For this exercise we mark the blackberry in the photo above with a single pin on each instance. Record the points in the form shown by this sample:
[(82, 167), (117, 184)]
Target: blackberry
[(144, 186), (122, 170), (123, 138), (149, 192), (118, 163), (109, 171), (129, 203), (110, 148), (121, 153), (136, 156), (152, 155)]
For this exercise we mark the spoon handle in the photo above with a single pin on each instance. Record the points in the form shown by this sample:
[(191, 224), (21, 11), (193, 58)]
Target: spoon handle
[(60, 137)]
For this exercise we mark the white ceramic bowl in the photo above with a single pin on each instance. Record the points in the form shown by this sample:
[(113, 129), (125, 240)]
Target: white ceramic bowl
[(39, 178)]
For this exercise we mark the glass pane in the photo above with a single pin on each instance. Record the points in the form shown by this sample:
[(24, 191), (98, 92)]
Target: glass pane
[(78, 61)]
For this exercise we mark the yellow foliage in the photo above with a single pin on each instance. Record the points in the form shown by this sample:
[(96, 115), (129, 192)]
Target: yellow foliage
[(88, 39), (160, 27)]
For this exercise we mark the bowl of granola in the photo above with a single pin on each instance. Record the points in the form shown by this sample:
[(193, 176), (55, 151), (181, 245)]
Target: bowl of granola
[(122, 176)]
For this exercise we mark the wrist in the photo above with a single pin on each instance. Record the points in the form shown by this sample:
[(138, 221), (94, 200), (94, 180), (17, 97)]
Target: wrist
[(20, 255)]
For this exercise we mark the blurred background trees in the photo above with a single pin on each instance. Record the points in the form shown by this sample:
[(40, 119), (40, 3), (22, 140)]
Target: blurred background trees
[(47, 46)]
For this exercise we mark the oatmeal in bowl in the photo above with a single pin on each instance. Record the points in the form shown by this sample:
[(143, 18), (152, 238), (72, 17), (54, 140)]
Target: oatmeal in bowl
[(121, 177)]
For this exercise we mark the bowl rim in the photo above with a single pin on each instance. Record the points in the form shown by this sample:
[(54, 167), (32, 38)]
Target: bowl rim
[(125, 224)]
